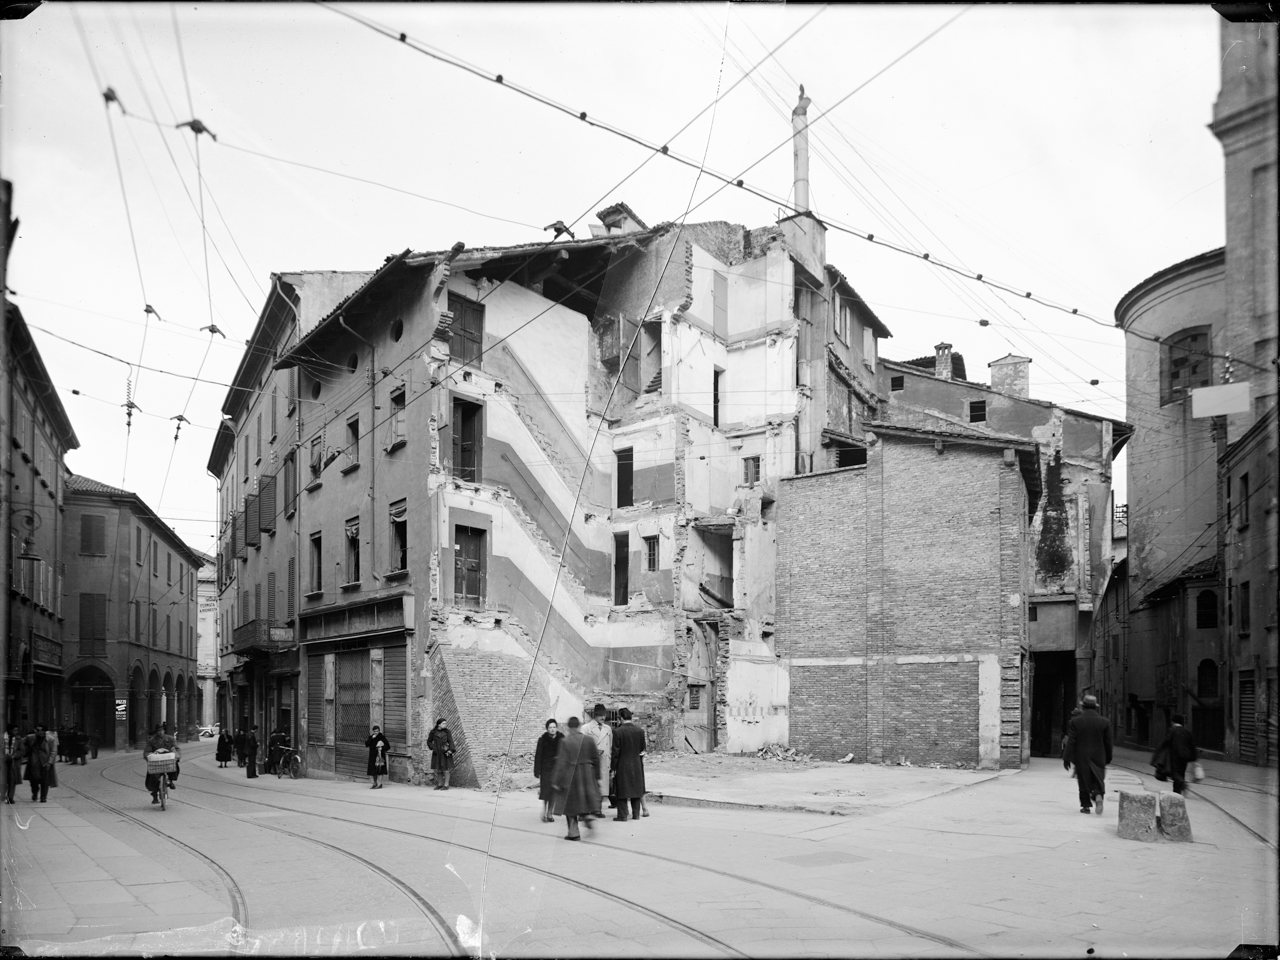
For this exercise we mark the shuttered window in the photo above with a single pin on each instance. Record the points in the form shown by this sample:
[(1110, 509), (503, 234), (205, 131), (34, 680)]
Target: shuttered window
[(291, 588), (252, 520), (93, 624), (290, 483), (271, 598), (315, 698), (395, 697), (267, 505), (237, 536), (93, 535)]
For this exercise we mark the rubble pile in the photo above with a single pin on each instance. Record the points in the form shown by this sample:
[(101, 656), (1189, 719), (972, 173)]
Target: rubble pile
[(776, 751)]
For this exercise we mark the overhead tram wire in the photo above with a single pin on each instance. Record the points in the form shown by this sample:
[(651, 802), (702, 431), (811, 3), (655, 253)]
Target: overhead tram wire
[(737, 181), (564, 547)]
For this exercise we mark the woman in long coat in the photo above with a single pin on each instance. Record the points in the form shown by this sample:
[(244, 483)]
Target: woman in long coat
[(440, 743), (544, 767), (225, 744), (379, 749), (251, 753), (577, 779), (39, 751)]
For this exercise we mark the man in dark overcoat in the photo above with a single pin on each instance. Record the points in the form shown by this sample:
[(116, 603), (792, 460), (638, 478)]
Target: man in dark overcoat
[(628, 765), (1089, 748), (577, 779)]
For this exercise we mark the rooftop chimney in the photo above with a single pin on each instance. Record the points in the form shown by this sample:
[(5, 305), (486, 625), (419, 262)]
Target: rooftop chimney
[(942, 361), (1009, 375), (800, 128)]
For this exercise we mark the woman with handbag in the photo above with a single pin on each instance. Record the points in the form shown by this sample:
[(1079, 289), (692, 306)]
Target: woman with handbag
[(440, 743), (379, 747)]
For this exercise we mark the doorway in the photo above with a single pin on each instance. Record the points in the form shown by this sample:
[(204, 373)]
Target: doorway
[(1053, 696), (468, 567), (699, 718)]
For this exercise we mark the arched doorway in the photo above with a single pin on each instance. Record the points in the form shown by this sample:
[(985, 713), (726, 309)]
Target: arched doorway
[(137, 707), (169, 714), (93, 704), (155, 701)]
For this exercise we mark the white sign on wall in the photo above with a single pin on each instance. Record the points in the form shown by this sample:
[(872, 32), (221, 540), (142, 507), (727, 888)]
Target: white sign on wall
[(1221, 400)]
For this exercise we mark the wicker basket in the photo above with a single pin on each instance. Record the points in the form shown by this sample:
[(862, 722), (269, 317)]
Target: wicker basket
[(162, 763)]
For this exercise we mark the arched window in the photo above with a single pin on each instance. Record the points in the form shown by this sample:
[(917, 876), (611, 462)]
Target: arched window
[(1206, 610), (1207, 679), (1185, 363)]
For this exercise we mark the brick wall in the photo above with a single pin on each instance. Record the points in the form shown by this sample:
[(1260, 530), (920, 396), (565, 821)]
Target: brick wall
[(920, 554)]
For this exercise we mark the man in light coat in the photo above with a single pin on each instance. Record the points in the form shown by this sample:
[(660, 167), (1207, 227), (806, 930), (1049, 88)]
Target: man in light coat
[(600, 731)]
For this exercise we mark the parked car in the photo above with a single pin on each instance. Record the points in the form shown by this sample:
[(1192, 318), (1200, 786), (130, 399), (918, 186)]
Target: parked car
[(209, 733)]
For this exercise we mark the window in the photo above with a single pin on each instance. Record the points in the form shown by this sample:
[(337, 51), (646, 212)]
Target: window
[(353, 550), (191, 582), (1033, 613), (93, 535), (1245, 611), (977, 411), (267, 505), (897, 384), (168, 632), (750, 471), (137, 620), (290, 484), (93, 624), (1207, 679), (168, 568), (1243, 486), (716, 376), (844, 320), (257, 440), (626, 477), (850, 455), (468, 567), (317, 564), (397, 330), (155, 560), (155, 632), (621, 569), (1231, 603), (291, 401), (315, 389), (466, 441), (137, 545), (275, 402), (182, 578), (651, 554), (399, 536), (869, 347), (467, 332), (353, 361), (1206, 610), (398, 435), (353, 444), (253, 521), (289, 589), (257, 601), (1115, 646), (1185, 364), (317, 457)]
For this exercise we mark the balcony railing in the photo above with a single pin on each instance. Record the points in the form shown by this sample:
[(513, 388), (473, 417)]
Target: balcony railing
[(265, 636)]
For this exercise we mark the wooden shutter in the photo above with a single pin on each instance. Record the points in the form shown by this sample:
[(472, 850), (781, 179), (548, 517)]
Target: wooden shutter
[(93, 535), (271, 598), (267, 505), (395, 696), (315, 697), (291, 588), (252, 517), (237, 535)]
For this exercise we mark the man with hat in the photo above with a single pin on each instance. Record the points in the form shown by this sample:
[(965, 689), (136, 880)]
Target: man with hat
[(1089, 748), (599, 730)]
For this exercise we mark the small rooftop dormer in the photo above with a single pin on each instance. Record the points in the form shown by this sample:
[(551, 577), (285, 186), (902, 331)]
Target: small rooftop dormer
[(617, 219)]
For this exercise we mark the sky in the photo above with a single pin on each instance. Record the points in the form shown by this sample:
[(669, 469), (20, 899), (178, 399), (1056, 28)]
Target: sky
[(1061, 150)]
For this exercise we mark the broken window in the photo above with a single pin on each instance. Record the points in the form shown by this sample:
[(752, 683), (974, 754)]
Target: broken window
[(651, 356), (621, 563), (352, 530), (849, 455), (1186, 364), (651, 554), (750, 471), (626, 476)]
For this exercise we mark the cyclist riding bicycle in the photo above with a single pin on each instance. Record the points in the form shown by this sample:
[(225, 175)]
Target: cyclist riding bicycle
[(162, 742)]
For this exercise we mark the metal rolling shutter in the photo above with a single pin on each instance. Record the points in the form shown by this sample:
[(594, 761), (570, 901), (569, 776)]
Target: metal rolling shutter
[(1248, 719), (395, 697), (315, 698), (351, 755)]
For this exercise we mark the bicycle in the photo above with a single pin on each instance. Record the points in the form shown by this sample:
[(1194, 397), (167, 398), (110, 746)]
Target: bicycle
[(291, 760), (161, 765)]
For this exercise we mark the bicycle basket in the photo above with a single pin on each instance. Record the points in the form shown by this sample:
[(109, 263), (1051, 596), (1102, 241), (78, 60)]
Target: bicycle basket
[(162, 763)]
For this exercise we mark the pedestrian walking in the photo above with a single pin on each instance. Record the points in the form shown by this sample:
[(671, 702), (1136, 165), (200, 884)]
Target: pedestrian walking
[(599, 731), (628, 766), (1174, 753), (251, 753), (379, 749), (161, 742), (544, 766), (12, 761), (577, 780), (240, 738), (1062, 751), (39, 752), (440, 743), (1089, 747), (55, 740), (225, 745)]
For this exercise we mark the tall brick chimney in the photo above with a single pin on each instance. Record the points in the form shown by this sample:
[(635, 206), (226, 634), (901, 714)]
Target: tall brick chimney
[(942, 361), (800, 138), (1010, 375)]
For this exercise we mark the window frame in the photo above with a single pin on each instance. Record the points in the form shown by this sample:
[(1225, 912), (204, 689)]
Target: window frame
[(752, 472), (315, 580), (652, 554), (1170, 349), (351, 552)]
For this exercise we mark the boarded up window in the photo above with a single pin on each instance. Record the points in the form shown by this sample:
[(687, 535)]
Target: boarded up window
[(93, 535), (93, 624)]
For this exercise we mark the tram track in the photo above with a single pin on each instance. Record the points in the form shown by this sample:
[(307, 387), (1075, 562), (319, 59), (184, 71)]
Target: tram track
[(903, 928), (438, 921)]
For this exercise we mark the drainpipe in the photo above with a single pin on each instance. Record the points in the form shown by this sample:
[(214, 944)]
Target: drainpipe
[(373, 454)]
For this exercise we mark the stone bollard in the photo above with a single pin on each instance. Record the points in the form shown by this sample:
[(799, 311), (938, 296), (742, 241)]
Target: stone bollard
[(1174, 822), (1137, 816)]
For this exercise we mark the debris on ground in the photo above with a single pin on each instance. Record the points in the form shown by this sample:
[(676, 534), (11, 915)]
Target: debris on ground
[(848, 759), (776, 751)]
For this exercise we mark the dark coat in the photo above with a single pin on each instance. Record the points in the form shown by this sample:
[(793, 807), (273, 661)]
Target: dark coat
[(1089, 745), (251, 755), (238, 741), (628, 764), (1182, 746), (38, 753), (544, 763), (224, 747), (440, 743), (577, 776), (377, 766)]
